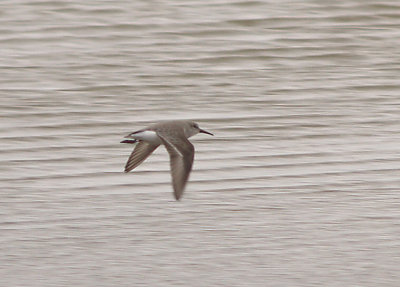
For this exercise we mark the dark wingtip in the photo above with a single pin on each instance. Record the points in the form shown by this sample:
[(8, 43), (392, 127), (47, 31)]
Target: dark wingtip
[(177, 197)]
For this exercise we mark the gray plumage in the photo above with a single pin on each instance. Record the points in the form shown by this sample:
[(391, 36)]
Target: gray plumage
[(174, 136)]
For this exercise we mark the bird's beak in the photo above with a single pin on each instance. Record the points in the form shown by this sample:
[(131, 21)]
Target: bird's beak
[(205, 132)]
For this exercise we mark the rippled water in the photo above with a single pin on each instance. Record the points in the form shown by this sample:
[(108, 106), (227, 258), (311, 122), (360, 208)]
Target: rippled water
[(299, 187)]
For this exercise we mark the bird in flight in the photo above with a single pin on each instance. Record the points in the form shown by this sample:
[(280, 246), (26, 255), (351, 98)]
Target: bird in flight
[(174, 136)]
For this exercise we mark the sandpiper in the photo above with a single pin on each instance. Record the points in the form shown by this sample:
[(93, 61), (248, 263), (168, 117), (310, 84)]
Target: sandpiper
[(174, 136)]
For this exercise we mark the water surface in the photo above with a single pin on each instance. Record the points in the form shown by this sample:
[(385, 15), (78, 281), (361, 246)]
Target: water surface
[(299, 187)]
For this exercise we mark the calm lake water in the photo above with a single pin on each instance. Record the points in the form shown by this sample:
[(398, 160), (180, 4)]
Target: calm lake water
[(299, 187)]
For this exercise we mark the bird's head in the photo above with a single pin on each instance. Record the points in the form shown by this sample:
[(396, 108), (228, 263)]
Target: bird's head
[(193, 129)]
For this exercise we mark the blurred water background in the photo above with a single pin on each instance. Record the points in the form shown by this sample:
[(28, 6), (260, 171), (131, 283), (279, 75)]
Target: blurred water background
[(299, 187)]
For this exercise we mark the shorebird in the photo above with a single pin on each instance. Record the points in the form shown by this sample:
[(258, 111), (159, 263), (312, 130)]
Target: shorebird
[(174, 136)]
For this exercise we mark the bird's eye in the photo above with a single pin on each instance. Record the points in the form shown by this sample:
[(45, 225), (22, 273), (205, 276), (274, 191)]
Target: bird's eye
[(196, 126)]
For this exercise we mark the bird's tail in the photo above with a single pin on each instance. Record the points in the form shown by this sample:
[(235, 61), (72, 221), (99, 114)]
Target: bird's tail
[(129, 141)]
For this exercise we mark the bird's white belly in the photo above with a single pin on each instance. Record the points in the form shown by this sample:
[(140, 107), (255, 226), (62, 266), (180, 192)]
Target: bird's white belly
[(147, 136)]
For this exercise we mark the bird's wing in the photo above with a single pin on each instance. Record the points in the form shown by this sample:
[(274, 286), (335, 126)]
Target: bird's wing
[(139, 154), (181, 154)]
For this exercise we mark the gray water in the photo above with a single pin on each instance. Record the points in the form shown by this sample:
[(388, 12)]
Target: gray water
[(299, 186)]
